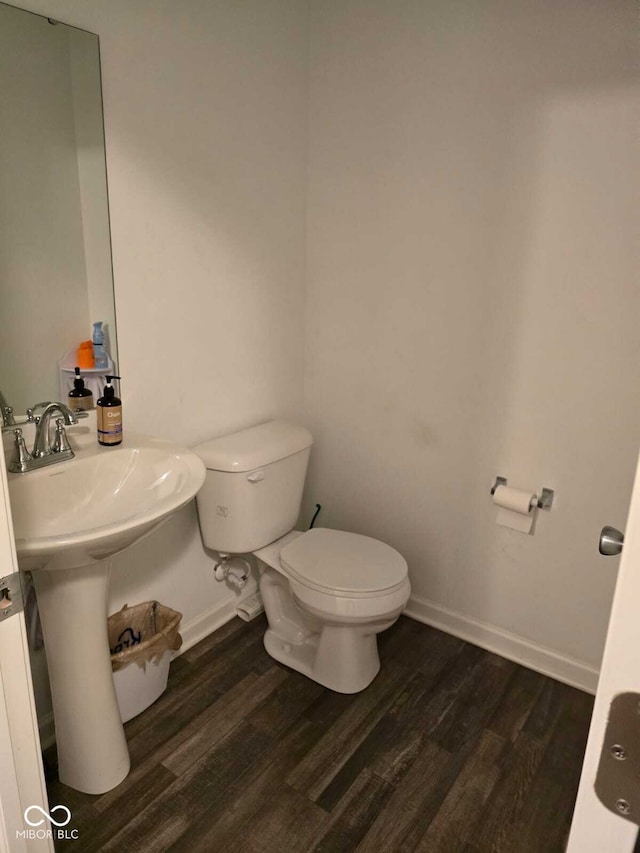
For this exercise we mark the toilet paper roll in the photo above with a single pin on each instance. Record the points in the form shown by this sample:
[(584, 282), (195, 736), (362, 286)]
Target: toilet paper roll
[(516, 508)]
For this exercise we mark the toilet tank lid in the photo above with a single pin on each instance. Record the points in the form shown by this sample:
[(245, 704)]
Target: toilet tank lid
[(254, 447)]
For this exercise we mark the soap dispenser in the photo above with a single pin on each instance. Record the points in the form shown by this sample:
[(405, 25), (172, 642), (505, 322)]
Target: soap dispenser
[(80, 398), (109, 412)]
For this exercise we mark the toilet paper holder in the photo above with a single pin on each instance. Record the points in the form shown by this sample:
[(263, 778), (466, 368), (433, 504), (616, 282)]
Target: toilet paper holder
[(545, 499)]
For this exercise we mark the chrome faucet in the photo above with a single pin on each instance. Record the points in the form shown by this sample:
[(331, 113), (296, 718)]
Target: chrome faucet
[(44, 452), (6, 412), (42, 441)]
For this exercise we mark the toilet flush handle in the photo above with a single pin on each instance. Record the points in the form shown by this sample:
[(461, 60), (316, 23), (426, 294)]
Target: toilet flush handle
[(255, 476)]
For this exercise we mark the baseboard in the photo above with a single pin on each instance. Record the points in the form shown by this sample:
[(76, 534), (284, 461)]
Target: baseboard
[(511, 646), (206, 623)]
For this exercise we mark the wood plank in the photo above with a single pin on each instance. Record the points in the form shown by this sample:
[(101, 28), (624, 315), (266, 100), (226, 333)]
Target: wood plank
[(182, 803), (328, 708), (392, 743), (410, 809), (455, 820), (203, 688), (168, 721), (291, 699), (551, 797), (287, 821), (355, 725), (478, 697), (415, 646), (83, 822), (228, 817), (323, 762), (511, 796), (156, 754), (95, 831), (212, 726), (547, 708), (357, 812), (214, 672), (400, 636), (519, 698)]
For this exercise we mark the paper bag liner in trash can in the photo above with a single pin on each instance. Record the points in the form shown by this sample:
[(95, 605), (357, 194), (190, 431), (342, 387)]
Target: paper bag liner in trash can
[(142, 633)]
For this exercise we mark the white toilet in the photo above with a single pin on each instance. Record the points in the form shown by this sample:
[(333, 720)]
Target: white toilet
[(326, 593)]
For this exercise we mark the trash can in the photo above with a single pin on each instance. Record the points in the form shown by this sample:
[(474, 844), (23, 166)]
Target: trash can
[(141, 639)]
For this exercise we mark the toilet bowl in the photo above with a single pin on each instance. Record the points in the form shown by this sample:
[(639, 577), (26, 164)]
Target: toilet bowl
[(327, 593)]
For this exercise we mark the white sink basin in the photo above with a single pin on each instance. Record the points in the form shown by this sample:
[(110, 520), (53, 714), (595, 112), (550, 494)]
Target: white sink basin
[(100, 502), (68, 520)]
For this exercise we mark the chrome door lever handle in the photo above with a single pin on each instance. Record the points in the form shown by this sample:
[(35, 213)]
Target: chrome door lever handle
[(611, 542)]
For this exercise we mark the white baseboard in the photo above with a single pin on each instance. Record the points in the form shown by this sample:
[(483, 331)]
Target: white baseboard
[(206, 623), (511, 646)]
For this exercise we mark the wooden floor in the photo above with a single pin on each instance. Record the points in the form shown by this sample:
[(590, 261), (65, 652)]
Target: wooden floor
[(450, 749)]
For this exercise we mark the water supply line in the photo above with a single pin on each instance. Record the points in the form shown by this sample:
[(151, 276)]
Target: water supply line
[(228, 570)]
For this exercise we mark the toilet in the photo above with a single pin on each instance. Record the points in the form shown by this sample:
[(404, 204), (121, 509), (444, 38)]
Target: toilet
[(327, 594)]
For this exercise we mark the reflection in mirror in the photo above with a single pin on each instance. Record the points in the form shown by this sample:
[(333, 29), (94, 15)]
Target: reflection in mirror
[(55, 252)]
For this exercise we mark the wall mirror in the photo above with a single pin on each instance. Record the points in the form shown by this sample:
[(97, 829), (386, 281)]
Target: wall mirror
[(56, 276)]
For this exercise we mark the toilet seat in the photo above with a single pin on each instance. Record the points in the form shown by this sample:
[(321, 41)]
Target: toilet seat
[(339, 576), (343, 564), (331, 606)]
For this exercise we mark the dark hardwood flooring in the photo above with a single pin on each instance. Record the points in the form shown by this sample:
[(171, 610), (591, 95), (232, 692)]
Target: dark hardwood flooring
[(451, 749)]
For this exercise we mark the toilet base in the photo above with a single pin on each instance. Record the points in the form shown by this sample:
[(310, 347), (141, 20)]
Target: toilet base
[(341, 655), (344, 659)]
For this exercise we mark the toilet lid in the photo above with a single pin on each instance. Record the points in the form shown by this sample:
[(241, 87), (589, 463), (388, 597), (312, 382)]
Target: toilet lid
[(343, 562)]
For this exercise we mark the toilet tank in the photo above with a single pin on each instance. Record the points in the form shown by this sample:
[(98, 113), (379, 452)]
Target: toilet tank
[(253, 489)]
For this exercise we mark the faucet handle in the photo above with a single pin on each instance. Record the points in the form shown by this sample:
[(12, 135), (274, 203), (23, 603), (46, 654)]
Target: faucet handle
[(9, 419), (21, 457), (61, 441)]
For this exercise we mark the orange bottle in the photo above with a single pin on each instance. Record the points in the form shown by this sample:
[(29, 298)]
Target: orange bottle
[(86, 359)]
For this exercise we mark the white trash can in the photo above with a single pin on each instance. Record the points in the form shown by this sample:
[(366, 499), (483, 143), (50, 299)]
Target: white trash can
[(141, 639)]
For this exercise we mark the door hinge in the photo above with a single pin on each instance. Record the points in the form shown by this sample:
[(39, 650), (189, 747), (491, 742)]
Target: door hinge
[(11, 598), (618, 778)]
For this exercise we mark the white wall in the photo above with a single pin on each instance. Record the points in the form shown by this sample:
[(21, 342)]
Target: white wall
[(205, 118), (472, 303)]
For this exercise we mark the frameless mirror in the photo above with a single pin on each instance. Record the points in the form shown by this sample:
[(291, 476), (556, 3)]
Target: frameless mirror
[(55, 250)]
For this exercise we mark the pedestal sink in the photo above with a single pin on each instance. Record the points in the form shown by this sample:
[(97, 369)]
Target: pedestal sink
[(69, 519)]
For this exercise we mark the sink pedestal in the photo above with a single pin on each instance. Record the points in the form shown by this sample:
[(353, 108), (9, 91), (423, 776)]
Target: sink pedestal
[(92, 750), (69, 519)]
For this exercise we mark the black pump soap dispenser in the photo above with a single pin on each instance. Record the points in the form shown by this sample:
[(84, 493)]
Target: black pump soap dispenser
[(80, 398), (109, 411)]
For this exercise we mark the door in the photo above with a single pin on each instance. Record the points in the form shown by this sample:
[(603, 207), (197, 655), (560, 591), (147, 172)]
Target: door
[(21, 777), (595, 829)]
